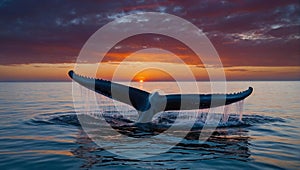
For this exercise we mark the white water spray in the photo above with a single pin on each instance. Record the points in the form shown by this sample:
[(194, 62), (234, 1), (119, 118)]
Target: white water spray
[(226, 114), (239, 109)]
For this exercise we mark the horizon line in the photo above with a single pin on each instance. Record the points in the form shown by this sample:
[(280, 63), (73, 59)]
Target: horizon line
[(37, 81)]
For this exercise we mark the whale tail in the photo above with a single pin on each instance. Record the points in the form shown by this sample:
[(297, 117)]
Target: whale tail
[(148, 104)]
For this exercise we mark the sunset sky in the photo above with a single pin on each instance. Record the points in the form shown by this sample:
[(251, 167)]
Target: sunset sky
[(256, 40)]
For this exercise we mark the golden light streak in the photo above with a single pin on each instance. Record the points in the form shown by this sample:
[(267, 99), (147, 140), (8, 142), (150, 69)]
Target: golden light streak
[(58, 72)]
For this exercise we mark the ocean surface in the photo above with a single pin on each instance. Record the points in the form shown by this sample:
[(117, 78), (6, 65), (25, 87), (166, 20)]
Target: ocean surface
[(39, 129)]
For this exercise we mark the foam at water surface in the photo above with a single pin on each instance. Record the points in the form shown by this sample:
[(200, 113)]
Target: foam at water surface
[(166, 118)]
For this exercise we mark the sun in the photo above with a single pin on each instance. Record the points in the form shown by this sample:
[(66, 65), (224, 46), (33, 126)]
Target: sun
[(141, 81)]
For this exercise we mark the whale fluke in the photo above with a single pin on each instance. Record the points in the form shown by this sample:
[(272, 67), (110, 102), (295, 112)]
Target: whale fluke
[(148, 104)]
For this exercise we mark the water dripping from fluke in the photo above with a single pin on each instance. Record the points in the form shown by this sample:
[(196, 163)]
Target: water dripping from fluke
[(96, 109), (226, 114), (239, 109)]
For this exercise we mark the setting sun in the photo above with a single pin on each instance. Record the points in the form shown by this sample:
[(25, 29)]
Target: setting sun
[(141, 81)]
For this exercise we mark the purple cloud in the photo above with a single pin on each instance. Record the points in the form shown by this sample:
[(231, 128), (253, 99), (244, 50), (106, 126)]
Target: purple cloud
[(248, 33)]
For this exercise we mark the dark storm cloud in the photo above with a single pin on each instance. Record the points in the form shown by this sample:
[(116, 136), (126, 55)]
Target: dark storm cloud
[(244, 32)]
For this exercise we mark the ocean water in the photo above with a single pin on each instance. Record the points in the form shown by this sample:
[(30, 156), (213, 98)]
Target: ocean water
[(39, 129)]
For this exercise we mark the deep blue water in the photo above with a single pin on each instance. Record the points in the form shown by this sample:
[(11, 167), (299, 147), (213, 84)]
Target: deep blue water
[(39, 129)]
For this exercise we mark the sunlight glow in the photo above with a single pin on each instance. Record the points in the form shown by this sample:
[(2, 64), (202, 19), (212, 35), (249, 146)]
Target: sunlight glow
[(57, 72)]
